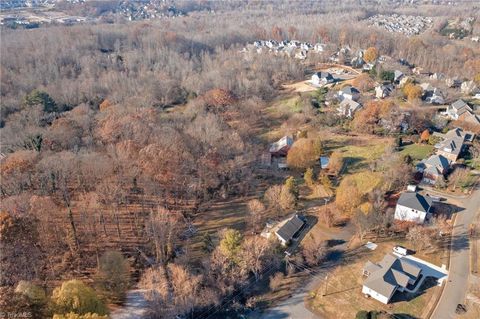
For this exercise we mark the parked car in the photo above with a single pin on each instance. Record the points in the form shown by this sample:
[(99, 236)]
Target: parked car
[(400, 250)]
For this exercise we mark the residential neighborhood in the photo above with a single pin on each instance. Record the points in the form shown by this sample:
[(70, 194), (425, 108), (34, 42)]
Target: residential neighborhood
[(240, 159)]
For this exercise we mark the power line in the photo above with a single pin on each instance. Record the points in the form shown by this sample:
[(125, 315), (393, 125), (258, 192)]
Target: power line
[(224, 303)]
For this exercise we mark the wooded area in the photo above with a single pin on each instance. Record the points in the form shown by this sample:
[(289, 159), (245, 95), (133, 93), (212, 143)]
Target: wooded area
[(115, 136)]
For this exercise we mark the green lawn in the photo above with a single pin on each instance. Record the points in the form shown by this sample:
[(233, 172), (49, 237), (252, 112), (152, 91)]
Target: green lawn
[(417, 151)]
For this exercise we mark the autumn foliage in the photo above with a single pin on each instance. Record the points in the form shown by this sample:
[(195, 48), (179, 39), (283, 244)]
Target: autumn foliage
[(370, 55), (363, 82), (219, 97), (304, 153), (412, 91)]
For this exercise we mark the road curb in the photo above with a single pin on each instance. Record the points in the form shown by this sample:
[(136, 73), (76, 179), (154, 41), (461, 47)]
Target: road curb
[(444, 283)]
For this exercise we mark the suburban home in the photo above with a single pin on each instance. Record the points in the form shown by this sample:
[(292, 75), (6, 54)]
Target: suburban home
[(290, 229), (457, 108), (348, 107), (322, 78), (383, 91), (470, 118), (453, 142), (433, 168), (413, 207), (390, 275), (348, 92), (281, 147), (433, 96), (397, 76)]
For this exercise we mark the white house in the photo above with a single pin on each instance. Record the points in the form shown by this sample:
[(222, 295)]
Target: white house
[(290, 229), (413, 207), (382, 91), (348, 108), (348, 92), (322, 78), (390, 275), (457, 108)]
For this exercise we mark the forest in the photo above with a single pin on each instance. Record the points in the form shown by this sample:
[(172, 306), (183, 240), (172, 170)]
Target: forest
[(115, 137)]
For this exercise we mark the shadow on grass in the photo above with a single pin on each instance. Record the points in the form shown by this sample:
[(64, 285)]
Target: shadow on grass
[(429, 282)]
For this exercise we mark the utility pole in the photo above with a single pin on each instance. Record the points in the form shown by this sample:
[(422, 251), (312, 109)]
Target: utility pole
[(325, 288)]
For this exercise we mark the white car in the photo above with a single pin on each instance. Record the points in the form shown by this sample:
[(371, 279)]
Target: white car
[(400, 250)]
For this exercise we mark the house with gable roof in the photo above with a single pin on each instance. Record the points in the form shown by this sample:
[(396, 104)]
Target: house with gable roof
[(392, 274), (433, 168), (413, 207)]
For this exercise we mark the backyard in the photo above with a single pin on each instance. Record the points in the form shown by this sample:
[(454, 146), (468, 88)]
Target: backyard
[(341, 296)]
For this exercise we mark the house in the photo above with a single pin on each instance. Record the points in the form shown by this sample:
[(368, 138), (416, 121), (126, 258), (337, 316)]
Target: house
[(290, 229), (383, 91), (322, 78), (281, 147), (397, 76), (390, 275), (433, 168), (433, 96), (470, 118), (457, 108), (348, 92), (413, 207), (348, 107), (453, 143)]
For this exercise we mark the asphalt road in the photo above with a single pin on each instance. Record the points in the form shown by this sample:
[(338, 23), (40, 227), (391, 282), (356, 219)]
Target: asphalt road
[(457, 283), (294, 307)]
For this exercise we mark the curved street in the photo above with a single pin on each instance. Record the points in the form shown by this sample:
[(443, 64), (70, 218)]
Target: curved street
[(459, 270)]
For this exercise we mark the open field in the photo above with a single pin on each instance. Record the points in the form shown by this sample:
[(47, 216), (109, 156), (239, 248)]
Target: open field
[(343, 297), (417, 151)]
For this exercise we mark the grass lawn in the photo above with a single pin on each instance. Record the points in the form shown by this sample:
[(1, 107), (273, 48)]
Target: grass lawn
[(343, 298), (288, 105), (417, 151)]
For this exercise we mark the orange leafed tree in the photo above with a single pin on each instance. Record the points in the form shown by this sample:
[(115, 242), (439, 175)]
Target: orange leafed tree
[(370, 55), (424, 136)]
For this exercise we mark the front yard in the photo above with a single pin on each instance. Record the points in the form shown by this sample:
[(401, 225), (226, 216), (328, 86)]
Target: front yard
[(341, 296)]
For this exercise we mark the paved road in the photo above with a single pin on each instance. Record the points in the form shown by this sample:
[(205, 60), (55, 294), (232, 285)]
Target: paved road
[(456, 286), (294, 307)]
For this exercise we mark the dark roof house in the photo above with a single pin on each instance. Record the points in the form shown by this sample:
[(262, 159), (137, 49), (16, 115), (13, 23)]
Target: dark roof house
[(290, 229), (415, 201)]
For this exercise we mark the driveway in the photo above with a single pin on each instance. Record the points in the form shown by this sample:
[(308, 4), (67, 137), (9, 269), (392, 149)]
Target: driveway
[(459, 270), (294, 307)]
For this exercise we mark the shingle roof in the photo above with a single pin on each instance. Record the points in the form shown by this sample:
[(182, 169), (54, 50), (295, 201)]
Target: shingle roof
[(437, 161), (415, 201), (285, 141), (350, 90), (390, 273), (458, 104), (287, 231)]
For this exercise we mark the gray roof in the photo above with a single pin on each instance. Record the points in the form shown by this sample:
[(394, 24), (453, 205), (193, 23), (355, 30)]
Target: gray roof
[(288, 231), (284, 142), (415, 201), (350, 90), (459, 104), (389, 274), (347, 105), (439, 161)]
